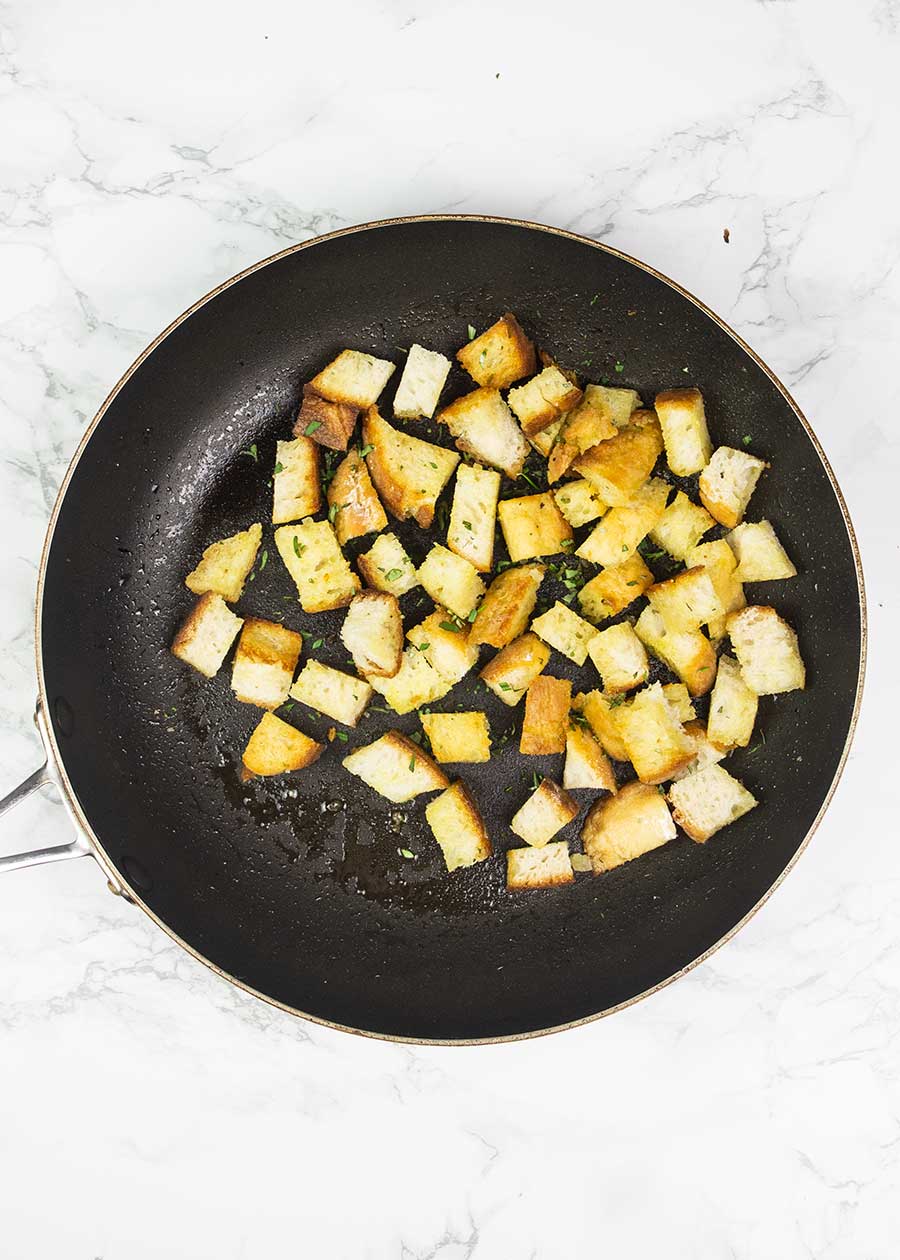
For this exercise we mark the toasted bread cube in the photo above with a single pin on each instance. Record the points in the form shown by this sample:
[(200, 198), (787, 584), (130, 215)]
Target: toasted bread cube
[(688, 653), (373, 633), (353, 377), (620, 404), (224, 566), (387, 567), (706, 753), (264, 663), (760, 556), (565, 631), (296, 489), (705, 802), (424, 376), (587, 765), (544, 441), (539, 868), (578, 502), (719, 561), (458, 827), (445, 646), (313, 557), (679, 698), (546, 720), (507, 606), (330, 691), (451, 581), (623, 827), (613, 589), (515, 667), (727, 482), (328, 423), (618, 467), (767, 650), (353, 504), (546, 811), (620, 658), (458, 736), (582, 428), (206, 634), (408, 473), (681, 526), (543, 399), (500, 355), (732, 707), (622, 529), (686, 601), (601, 713), (533, 526), (396, 768), (683, 422), (653, 736), (484, 426), (415, 683), (473, 516), (276, 747)]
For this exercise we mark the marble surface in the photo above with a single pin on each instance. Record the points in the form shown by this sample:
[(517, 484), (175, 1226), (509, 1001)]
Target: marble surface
[(753, 1109)]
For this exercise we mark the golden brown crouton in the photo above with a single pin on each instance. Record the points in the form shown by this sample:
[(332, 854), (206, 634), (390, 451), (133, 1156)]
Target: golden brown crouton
[(533, 526), (328, 423), (625, 826), (296, 488), (578, 502), (620, 658), (458, 736), (688, 653), (539, 868), (515, 667), (451, 581), (706, 753), (679, 698), (275, 747), (373, 633), (424, 375), (353, 377), (396, 768), (500, 355), (485, 427), (719, 561), (620, 466), (654, 738), (444, 644), (587, 765), (546, 811), (354, 507), (601, 712), (732, 707), (546, 720), (543, 399), (565, 631), (415, 683), (681, 526), (473, 516), (507, 606), (705, 802), (727, 482), (264, 664), (408, 473), (207, 633), (620, 404), (313, 557), (613, 589), (760, 556), (458, 827), (683, 422), (544, 441), (686, 601), (225, 565), (582, 428), (332, 692), (387, 567), (767, 649), (622, 529)]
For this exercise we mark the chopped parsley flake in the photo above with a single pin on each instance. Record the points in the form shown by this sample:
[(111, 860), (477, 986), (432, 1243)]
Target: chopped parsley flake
[(311, 427), (471, 332), (252, 452)]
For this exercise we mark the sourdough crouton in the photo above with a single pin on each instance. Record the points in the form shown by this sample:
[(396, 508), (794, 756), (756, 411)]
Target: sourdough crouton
[(515, 667), (681, 526), (686, 601), (613, 589), (622, 529), (264, 663), (565, 631), (206, 634), (732, 707), (353, 505), (582, 428), (620, 658), (688, 653), (719, 561), (601, 714), (654, 738), (408, 473), (625, 826), (387, 567), (451, 581), (396, 768), (415, 683), (620, 404), (546, 720), (544, 441), (458, 736), (587, 765), (354, 378), (578, 502), (706, 753), (424, 376), (224, 566), (444, 645), (507, 606), (679, 699), (767, 650), (543, 399), (533, 526), (275, 747), (705, 802), (546, 811), (760, 556), (500, 355), (458, 827), (328, 423), (473, 516), (296, 489), (618, 467), (727, 482), (332, 692), (373, 633), (484, 426), (683, 422), (314, 559), (539, 868)]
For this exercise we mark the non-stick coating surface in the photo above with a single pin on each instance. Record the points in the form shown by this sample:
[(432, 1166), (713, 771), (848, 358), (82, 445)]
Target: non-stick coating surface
[(295, 886)]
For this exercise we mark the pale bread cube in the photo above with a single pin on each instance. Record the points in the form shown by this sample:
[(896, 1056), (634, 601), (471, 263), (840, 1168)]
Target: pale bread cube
[(705, 802), (451, 581), (582, 428), (533, 526), (415, 683), (546, 721), (353, 504), (688, 653), (727, 482), (424, 376), (409, 474), (206, 634), (620, 658), (620, 466), (458, 827), (543, 399), (296, 488), (732, 707), (614, 588), (683, 421), (473, 515), (565, 631), (353, 377), (515, 667), (706, 753), (484, 426), (445, 646), (544, 441), (622, 529), (601, 713), (500, 355), (681, 526), (679, 698), (686, 601), (313, 557), (587, 765), (330, 691), (225, 564), (373, 633), (620, 404), (719, 561), (396, 768), (458, 736), (328, 423), (507, 606), (264, 663), (276, 747), (539, 868), (578, 502), (623, 827), (767, 650), (546, 811), (387, 567), (654, 738), (760, 556)]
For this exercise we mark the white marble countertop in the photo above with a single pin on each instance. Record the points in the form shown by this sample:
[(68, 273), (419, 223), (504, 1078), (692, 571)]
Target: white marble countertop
[(752, 1109)]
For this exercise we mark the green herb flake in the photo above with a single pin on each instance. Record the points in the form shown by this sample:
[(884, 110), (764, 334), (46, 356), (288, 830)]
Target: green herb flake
[(366, 450), (449, 625), (393, 574), (467, 525), (298, 547), (406, 853), (472, 615), (412, 763), (263, 560), (251, 452), (535, 781), (471, 331), (279, 467), (620, 367), (595, 299), (524, 477), (342, 736), (311, 427), (316, 643), (746, 439)]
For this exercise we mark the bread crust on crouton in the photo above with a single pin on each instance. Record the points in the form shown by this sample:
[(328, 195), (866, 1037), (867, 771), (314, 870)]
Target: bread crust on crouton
[(206, 634), (512, 671), (619, 466), (543, 399), (353, 377), (545, 812), (484, 426), (581, 429), (600, 712), (264, 663), (353, 503), (458, 827), (276, 747), (533, 526), (727, 482), (546, 720), (614, 588), (296, 485), (587, 765), (546, 867), (463, 737), (408, 473), (507, 606), (396, 768), (313, 557), (224, 565), (330, 691), (327, 423), (625, 826), (373, 633), (683, 421), (500, 355)]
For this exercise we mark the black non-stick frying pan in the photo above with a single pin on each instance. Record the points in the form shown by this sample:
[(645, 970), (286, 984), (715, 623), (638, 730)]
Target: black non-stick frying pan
[(295, 888)]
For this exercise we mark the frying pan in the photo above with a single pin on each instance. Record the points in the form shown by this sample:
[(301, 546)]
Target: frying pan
[(296, 888)]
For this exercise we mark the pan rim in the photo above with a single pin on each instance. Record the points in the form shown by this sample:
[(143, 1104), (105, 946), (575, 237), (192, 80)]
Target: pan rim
[(117, 880)]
